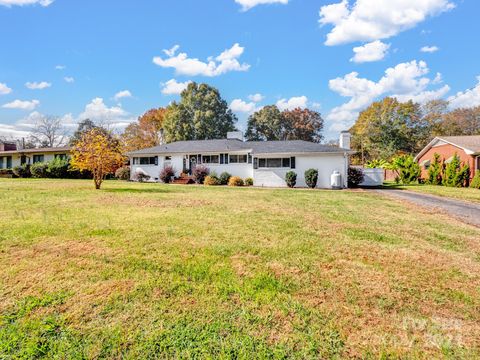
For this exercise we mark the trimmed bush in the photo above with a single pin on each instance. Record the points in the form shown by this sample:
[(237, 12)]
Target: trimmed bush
[(224, 177), (291, 179), (311, 178), (249, 182), (200, 172), (39, 170), (58, 169), (355, 176), (123, 173), (211, 180), (235, 181), (167, 174), (406, 168), (476, 181), (22, 171), (456, 175), (435, 171)]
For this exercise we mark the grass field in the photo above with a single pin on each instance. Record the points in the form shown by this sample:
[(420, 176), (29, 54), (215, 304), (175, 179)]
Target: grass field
[(466, 194), (148, 270)]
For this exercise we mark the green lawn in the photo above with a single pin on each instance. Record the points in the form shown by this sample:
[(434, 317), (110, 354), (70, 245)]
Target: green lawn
[(157, 271), (466, 194)]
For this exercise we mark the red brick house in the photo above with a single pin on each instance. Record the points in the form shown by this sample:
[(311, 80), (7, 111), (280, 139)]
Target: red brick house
[(466, 147)]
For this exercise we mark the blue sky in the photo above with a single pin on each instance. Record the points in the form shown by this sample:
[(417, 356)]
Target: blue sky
[(71, 58)]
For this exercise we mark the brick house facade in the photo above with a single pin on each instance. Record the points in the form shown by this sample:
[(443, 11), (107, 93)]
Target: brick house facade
[(466, 147)]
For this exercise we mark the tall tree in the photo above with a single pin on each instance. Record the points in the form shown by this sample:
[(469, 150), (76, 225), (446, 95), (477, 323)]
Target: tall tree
[(147, 132), (267, 123), (201, 114), (83, 127), (463, 121), (48, 131), (303, 124), (385, 128), (99, 152)]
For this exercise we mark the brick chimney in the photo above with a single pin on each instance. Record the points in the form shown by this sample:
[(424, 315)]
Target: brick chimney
[(345, 138)]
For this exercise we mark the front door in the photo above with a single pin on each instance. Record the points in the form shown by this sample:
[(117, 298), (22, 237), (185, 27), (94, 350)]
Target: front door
[(192, 163)]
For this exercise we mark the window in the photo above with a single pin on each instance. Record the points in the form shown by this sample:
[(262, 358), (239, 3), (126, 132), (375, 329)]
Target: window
[(210, 159), (1, 162), (478, 162), (274, 163), (238, 159), (9, 162), (61, 156), (152, 160), (38, 158)]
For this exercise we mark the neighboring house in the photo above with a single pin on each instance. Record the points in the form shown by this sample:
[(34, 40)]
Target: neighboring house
[(266, 162), (466, 147), (15, 157)]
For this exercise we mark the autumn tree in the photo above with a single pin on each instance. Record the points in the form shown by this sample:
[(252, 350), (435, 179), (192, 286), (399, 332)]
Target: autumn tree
[(48, 131), (146, 132), (99, 152), (458, 122), (200, 114), (303, 124)]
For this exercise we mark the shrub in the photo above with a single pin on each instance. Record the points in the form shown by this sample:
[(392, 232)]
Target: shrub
[(476, 181), (376, 164), (248, 181), (58, 169), (407, 169), (224, 177), (22, 171), (211, 180), (39, 170), (200, 172), (456, 175), (235, 181), (355, 176), (123, 173), (311, 178), (435, 171), (166, 174), (291, 179)]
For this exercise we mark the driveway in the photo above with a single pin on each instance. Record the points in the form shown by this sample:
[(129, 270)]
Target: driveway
[(461, 210)]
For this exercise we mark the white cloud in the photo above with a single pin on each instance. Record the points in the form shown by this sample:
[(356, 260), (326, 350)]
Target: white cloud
[(172, 87), (60, 67), (248, 4), (406, 81), (4, 89), (429, 49), (96, 110), (22, 105), (38, 85), (171, 52), (225, 62), (467, 98), (292, 103), (69, 79), (238, 105), (256, 97), (122, 95), (368, 20), (370, 52), (9, 3)]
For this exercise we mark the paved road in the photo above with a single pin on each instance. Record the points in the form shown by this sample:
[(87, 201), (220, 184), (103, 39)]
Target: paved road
[(464, 211)]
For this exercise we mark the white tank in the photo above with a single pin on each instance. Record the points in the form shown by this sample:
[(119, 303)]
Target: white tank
[(336, 180)]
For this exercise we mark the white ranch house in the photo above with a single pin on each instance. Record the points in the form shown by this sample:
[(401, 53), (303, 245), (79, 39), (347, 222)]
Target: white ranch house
[(266, 162), (12, 158)]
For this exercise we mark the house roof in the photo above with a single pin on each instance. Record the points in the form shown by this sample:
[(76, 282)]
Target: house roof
[(230, 145), (470, 144), (36, 151)]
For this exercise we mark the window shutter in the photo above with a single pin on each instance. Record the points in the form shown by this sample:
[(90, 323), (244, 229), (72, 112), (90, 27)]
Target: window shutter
[(255, 163), (226, 158), (222, 158), (292, 162), (156, 160), (249, 158)]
